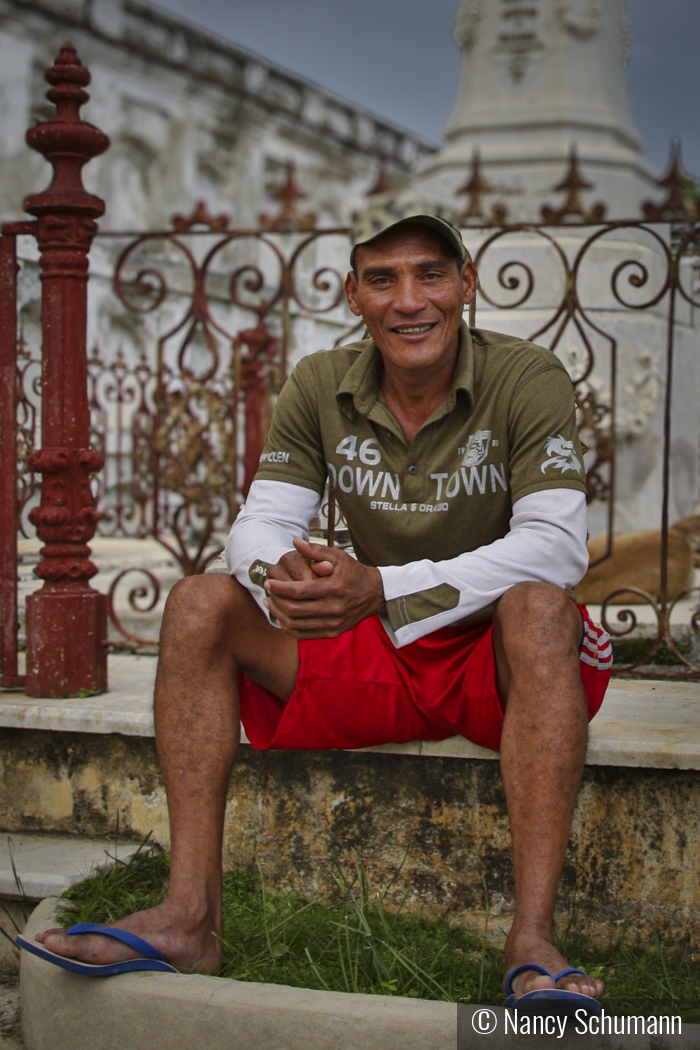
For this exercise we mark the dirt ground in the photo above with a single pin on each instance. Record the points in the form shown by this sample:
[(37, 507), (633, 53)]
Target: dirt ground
[(10, 1029)]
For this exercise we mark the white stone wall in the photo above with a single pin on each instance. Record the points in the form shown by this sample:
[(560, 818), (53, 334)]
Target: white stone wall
[(190, 117)]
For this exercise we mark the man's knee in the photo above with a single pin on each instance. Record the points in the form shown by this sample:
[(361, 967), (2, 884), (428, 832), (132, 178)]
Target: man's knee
[(202, 604), (540, 615)]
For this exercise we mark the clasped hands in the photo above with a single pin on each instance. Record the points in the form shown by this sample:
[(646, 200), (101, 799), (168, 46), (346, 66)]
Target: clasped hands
[(320, 592)]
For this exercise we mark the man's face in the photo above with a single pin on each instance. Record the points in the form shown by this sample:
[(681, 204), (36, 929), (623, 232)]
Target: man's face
[(410, 290)]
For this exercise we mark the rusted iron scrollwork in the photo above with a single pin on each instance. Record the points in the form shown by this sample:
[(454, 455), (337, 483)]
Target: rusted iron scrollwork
[(218, 314), (27, 429), (199, 412), (142, 598), (671, 286), (516, 276)]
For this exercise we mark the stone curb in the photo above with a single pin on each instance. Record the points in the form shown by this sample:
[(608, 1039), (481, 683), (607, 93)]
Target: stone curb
[(151, 1011)]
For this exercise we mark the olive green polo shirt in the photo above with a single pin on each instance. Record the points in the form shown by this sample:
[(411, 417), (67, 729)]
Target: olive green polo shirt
[(507, 429)]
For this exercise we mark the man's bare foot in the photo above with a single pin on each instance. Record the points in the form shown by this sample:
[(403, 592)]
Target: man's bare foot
[(530, 948), (188, 945)]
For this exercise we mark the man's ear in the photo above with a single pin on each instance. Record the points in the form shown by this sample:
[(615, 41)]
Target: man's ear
[(351, 293), (470, 279)]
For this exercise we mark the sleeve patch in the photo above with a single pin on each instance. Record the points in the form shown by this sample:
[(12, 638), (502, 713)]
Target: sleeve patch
[(258, 572), (421, 605), (561, 455)]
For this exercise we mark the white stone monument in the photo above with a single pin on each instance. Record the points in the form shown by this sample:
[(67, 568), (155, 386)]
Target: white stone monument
[(538, 76)]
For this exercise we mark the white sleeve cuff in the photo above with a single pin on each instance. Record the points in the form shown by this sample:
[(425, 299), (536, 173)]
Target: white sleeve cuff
[(274, 515)]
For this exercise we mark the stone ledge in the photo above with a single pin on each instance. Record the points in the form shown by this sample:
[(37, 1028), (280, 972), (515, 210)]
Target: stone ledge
[(46, 865), (647, 724), (63, 1011)]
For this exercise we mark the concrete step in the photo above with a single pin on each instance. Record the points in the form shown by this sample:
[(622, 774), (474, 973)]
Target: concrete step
[(45, 865)]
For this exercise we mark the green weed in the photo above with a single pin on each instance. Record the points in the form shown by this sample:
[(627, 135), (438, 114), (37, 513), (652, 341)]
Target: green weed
[(353, 943), (631, 650)]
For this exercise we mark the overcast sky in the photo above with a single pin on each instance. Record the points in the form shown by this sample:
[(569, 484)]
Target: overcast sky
[(398, 59)]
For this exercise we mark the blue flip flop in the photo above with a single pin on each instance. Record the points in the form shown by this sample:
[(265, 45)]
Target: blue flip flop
[(552, 1001), (151, 959)]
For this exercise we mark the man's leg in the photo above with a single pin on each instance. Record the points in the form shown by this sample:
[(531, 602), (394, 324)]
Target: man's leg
[(211, 629), (537, 635)]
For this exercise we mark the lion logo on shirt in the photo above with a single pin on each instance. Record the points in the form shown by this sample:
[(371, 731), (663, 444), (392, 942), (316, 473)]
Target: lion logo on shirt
[(477, 448), (561, 455)]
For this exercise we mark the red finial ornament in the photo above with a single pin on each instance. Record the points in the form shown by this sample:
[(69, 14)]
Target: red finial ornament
[(289, 219), (476, 187), (573, 207), (67, 141), (681, 204)]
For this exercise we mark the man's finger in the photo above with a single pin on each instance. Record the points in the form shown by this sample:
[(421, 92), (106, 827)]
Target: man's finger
[(292, 566), (304, 610), (321, 627), (319, 551), (299, 590)]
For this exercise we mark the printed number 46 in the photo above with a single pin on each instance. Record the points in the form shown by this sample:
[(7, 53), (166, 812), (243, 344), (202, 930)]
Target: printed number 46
[(369, 453)]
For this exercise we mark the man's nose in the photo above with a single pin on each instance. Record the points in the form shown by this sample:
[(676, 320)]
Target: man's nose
[(408, 296)]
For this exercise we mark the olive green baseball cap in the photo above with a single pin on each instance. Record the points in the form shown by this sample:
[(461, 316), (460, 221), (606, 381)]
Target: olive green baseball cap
[(389, 209)]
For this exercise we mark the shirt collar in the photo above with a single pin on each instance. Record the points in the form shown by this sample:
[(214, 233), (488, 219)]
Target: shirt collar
[(360, 388)]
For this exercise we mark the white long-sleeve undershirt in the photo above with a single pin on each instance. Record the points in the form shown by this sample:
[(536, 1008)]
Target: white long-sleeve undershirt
[(546, 543)]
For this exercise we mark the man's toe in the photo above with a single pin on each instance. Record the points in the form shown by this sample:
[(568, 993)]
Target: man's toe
[(531, 981), (41, 937), (57, 942), (583, 985)]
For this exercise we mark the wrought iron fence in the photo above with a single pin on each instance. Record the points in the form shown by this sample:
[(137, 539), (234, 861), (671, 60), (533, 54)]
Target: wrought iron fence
[(210, 320)]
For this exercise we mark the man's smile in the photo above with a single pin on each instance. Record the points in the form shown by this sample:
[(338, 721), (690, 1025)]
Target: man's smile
[(413, 329)]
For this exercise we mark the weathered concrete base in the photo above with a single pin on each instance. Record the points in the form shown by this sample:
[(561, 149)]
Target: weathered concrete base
[(62, 1011), (633, 856), (12, 922)]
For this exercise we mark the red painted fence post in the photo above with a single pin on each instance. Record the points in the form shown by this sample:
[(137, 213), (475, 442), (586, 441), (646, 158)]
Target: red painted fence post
[(66, 619), (8, 480)]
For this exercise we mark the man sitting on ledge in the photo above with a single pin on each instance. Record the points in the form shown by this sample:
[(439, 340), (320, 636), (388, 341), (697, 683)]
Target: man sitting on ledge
[(455, 458)]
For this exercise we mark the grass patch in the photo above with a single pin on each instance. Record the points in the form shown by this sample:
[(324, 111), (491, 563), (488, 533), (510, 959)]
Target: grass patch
[(631, 650), (352, 943)]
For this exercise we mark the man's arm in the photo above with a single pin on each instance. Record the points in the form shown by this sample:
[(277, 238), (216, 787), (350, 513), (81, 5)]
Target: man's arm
[(546, 544)]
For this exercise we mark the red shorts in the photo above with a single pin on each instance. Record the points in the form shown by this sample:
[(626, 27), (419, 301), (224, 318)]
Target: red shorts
[(358, 690)]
